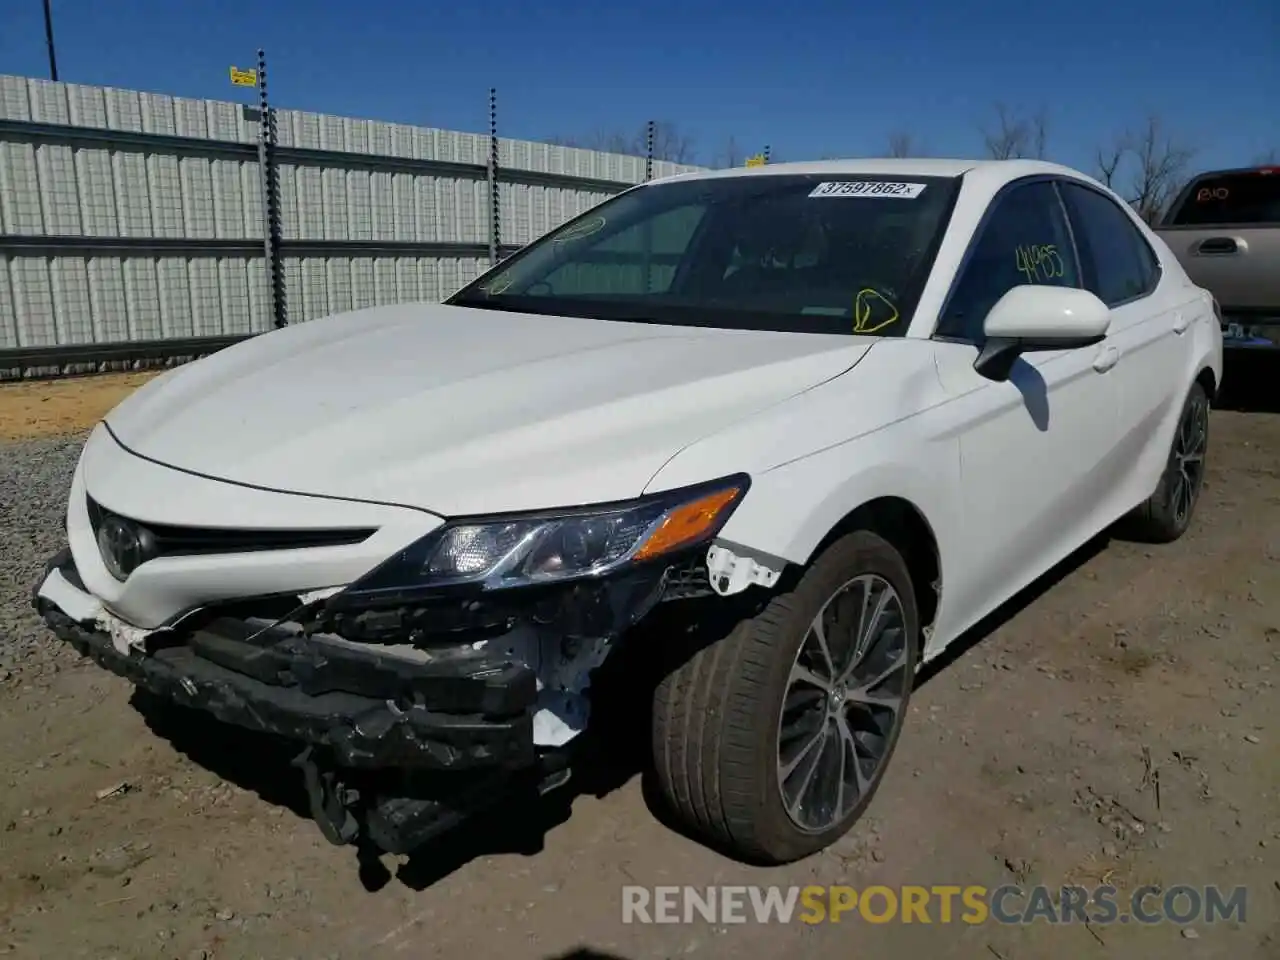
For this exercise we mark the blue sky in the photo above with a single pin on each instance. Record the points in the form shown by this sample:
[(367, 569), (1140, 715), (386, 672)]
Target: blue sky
[(812, 78)]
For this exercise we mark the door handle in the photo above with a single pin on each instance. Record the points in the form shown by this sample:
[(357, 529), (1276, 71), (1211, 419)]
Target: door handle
[(1219, 247), (1107, 358), (1180, 323)]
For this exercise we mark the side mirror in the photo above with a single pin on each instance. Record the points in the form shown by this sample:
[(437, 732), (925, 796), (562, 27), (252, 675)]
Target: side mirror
[(1035, 317)]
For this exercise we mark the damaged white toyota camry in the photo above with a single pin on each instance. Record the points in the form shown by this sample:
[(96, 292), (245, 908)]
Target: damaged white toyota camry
[(845, 409)]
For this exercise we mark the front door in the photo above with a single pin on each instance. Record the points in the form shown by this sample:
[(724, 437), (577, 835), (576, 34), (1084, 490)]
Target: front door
[(1037, 451)]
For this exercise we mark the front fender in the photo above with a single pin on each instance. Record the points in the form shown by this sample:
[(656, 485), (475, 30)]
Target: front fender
[(880, 430), (790, 510)]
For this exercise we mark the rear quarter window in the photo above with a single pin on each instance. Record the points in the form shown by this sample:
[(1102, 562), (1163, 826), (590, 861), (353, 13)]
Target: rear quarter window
[(1252, 197)]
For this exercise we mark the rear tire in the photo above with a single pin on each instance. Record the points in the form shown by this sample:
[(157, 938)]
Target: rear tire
[(753, 738), (1166, 514)]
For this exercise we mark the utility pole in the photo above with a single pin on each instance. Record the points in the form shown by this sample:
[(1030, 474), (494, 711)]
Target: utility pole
[(48, 39)]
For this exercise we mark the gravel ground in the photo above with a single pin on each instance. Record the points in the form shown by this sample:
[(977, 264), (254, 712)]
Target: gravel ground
[(34, 476), (1031, 758)]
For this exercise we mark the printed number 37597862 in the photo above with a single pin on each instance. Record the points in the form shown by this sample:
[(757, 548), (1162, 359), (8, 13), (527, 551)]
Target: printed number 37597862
[(1039, 262)]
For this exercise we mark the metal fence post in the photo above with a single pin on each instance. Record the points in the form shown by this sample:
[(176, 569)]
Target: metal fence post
[(650, 130), (495, 209), (269, 174), (48, 39)]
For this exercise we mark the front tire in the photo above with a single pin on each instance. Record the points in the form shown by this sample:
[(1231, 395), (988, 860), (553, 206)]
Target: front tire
[(1166, 514), (771, 742)]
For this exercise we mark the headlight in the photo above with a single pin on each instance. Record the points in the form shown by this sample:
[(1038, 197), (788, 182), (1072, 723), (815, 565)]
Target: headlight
[(530, 549)]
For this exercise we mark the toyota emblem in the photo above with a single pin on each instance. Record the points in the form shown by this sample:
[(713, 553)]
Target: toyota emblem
[(124, 546)]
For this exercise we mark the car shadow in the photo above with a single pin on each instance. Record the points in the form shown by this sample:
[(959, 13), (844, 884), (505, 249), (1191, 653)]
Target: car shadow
[(252, 761), (1012, 607), (1249, 381), (1029, 381), (608, 758), (585, 953), (614, 751)]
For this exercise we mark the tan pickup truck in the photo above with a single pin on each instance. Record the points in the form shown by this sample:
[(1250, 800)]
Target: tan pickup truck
[(1224, 227)]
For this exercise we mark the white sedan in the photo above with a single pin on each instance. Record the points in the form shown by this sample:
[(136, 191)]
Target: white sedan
[(832, 413)]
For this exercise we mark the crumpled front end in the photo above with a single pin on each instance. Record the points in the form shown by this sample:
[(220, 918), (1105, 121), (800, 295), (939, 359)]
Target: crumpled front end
[(483, 701), (315, 622), (368, 707)]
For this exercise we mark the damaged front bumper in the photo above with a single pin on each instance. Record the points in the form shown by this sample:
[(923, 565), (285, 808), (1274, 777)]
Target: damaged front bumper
[(368, 708), (354, 711), (468, 719)]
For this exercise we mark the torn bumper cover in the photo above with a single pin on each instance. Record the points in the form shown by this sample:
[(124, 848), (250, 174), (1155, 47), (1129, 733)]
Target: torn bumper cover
[(367, 707)]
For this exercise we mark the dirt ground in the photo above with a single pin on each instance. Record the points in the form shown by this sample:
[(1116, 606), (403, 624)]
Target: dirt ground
[(1032, 757), (49, 408)]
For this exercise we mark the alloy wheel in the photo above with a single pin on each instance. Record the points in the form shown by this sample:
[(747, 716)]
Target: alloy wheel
[(843, 703), (1188, 458)]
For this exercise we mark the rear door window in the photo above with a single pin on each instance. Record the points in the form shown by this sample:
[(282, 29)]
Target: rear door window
[(1252, 197), (1119, 264)]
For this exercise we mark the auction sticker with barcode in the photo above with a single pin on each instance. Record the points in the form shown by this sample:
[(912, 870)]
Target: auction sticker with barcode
[(868, 188)]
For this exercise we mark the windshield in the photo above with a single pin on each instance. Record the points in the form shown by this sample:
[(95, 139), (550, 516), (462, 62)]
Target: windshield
[(1251, 197), (805, 253)]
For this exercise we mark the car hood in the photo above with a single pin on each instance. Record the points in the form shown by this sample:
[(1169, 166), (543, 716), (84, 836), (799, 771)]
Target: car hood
[(462, 411)]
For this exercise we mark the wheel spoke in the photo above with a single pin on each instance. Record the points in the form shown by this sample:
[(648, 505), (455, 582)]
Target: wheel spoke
[(802, 674), (819, 633), (1182, 496), (824, 794), (818, 738), (866, 698), (805, 720), (807, 778), (873, 611), (865, 692), (850, 745), (1192, 435)]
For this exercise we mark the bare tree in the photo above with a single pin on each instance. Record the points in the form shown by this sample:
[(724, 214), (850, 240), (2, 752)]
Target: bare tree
[(1161, 162), (1147, 166), (1108, 161), (900, 144), (1015, 136), (1040, 134), (669, 142), (730, 155)]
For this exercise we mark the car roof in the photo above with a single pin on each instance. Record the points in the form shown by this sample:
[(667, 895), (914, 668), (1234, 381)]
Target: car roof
[(991, 170), (1262, 169)]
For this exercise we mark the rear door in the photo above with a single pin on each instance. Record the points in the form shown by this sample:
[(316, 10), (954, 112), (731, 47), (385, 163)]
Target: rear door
[(1150, 327), (1225, 230)]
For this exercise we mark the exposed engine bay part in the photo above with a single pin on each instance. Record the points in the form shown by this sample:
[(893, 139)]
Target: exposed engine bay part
[(732, 568), (398, 813), (315, 596), (409, 716), (416, 668), (563, 668)]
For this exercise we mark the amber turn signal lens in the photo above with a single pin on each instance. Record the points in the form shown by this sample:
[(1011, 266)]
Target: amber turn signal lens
[(687, 523)]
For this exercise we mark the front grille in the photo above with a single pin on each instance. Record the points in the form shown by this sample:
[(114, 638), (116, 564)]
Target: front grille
[(172, 541)]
